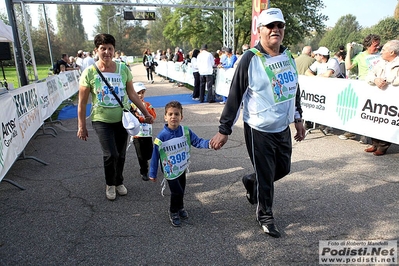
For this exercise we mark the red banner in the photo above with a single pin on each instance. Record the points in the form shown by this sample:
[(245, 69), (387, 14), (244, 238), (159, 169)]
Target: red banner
[(257, 7)]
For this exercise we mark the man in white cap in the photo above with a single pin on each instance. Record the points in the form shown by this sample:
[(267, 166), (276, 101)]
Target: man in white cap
[(324, 66), (79, 59), (266, 82)]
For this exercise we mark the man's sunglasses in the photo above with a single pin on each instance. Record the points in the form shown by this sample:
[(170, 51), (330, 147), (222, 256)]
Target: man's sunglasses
[(271, 26)]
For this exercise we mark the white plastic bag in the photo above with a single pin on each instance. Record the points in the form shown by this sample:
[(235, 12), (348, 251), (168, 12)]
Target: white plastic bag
[(130, 123)]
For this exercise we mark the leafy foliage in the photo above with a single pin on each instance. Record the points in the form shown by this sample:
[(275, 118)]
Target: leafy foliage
[(156, 38), (40, 43), (242, 25), (387, 29), (302, 18), (189, 28), (135, 39), (70, 28), (346, 30), (130, 36)]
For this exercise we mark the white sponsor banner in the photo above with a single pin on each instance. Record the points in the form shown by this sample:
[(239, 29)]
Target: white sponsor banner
[(25, 109), (223, 80), (189, 77), (70, 83), (162, 68), (44, 101), (55, 92), (176, 71), (28, 112), (10, 138), (351, 105), (347, 252), (346, 104)]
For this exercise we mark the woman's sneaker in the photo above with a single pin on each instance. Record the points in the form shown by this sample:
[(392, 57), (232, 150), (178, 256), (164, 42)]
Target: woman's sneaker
[(174, 218), (122, 190), (110, 192)]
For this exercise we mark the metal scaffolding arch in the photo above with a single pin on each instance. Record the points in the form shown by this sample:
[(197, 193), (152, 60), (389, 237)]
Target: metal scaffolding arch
[(24, 34)]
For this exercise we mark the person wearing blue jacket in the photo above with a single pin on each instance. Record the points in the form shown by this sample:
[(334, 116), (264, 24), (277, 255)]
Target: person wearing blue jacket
[(230, 60), (172, 151)]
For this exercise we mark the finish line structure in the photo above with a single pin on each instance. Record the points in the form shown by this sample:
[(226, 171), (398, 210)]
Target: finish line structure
[(23, 50)]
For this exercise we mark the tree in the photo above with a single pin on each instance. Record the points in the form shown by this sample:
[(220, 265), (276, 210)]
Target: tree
[(242, 26), (107, 18), (4, 18), (40, 43), (346, 30), (206, 26), (396, 13), (70, 28), (156, 39), (387, 29), (301, 17), (135, 39), (192, 27)]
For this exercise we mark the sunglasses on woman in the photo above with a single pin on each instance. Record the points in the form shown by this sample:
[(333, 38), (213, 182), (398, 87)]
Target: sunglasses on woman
[(271, 26)]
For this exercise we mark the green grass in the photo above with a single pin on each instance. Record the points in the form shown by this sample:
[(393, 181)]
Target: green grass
[(42, 72), (12, 77)]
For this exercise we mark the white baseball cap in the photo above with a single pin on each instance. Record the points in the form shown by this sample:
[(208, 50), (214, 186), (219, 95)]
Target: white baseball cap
[(139, 86), (322, 50), (270, 15)]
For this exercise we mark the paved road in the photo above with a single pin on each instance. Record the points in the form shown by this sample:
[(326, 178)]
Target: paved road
[(334, 191)]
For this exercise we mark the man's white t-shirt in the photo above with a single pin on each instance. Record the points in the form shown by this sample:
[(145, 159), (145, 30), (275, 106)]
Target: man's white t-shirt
[(205, 63), (321, 68)]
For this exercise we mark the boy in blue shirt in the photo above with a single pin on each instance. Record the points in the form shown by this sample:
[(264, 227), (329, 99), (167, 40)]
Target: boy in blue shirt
[(172, 150)]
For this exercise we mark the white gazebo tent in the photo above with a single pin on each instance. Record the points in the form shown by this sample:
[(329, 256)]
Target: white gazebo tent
[(5, 36), (5, 33)]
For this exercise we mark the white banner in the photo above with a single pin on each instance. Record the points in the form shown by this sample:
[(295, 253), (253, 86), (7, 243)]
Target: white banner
[(55, 92), (69, 81), (176, 71), (28, 112), (44, 102), (188, 74), (346, 104), (223, 80), (162, 68), (24, 111), (351, 105), (10, 139)]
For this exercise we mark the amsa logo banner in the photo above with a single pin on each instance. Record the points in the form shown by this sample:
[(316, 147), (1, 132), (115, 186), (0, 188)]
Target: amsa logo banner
[(347, 252), (11, 140), (351, 105)]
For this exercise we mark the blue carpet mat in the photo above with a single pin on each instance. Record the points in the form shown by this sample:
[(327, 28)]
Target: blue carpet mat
[(71, 111), (161, 101)]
